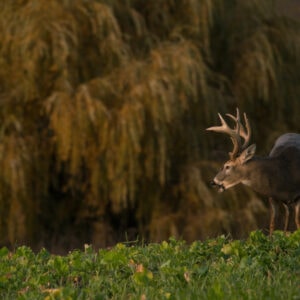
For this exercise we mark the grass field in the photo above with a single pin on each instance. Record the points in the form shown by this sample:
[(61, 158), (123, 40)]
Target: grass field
[(221, 268)]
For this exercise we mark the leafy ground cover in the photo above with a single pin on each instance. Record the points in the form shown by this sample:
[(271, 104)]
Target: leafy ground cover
[(256, 268)]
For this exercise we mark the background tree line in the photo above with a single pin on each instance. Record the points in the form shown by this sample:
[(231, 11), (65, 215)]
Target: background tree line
[(103, 109)]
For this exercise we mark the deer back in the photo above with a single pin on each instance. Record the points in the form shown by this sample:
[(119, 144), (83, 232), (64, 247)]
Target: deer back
[(286, 143)]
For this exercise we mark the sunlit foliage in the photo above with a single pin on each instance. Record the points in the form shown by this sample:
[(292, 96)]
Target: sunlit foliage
[(221, 268)]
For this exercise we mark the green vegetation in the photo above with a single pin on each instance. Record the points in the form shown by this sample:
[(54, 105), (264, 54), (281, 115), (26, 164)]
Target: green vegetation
[(257, 268), (103, 109)]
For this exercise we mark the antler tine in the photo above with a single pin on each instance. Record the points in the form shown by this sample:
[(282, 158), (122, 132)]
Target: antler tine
[(245, 134), (238, 125), (233, 133)]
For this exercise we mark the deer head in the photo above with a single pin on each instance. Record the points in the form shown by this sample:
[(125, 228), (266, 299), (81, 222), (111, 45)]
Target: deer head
[(233, 171)]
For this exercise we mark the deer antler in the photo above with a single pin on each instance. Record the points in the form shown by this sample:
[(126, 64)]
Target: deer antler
[(235, 134), (245, 134)]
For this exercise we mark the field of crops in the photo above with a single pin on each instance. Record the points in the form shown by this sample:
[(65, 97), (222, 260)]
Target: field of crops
[(257, 268)]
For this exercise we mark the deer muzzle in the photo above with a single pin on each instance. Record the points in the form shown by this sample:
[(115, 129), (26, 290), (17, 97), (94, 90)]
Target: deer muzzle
[(218, 185)]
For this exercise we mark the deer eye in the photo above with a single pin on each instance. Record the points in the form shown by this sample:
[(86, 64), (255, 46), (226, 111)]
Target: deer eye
[(227, 167)]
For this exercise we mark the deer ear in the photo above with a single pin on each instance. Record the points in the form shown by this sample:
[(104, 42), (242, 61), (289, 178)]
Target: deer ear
[(248, 153)]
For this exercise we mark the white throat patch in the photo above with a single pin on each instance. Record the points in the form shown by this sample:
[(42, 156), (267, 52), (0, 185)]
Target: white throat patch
[(246, 182)]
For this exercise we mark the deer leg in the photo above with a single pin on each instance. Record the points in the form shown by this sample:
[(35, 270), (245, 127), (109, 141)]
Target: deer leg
[(286, 217), (297, 211), (272, 215)]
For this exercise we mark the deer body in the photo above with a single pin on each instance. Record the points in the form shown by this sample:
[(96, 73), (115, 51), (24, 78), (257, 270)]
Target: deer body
[(276, 176)]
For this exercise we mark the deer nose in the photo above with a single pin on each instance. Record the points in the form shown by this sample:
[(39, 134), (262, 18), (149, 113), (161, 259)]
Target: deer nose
[(217, 184), (212, 183)]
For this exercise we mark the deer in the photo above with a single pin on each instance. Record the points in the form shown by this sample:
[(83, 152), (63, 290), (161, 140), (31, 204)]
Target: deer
[(276, 176)]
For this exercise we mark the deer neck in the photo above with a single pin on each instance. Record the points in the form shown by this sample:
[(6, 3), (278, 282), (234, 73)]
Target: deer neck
[(260, 173)]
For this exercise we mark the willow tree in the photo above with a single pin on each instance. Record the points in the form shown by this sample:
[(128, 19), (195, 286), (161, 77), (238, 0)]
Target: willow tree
[(104, 105)]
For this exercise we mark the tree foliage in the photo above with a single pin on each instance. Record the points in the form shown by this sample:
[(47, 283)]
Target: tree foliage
[(104, 106)]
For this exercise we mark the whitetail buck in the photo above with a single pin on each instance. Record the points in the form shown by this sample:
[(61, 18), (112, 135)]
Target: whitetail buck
[(276, 176)]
